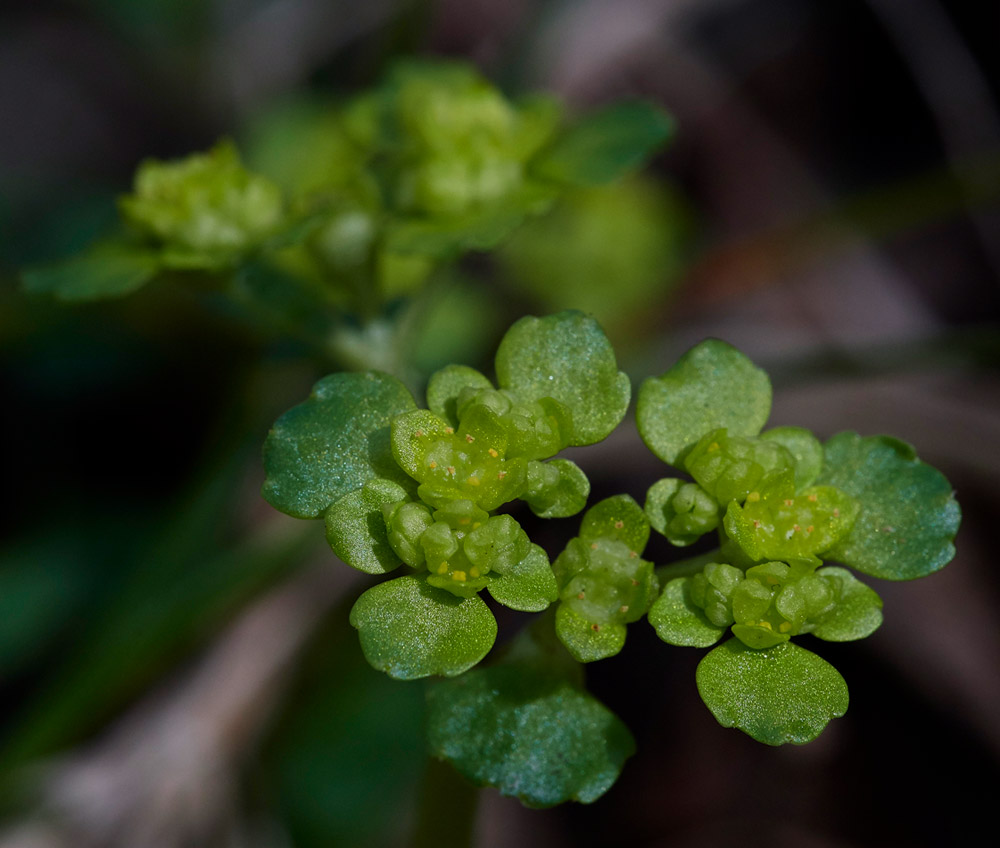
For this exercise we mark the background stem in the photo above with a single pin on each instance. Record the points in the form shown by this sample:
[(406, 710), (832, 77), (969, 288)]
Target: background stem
[(447, 812)]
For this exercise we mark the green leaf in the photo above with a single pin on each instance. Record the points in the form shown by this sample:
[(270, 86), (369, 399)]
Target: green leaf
[(712, 386), (566, 357), (556, 489), (588, 641), (606, 145), (909, 516), (356, 529), (445, 385), (805, 449), (410, 630), (618, 517), (858, 612), (448, 237), (104, 271), (529, 586), (782, 694), (531, 735), (333, 443), (679, 621)]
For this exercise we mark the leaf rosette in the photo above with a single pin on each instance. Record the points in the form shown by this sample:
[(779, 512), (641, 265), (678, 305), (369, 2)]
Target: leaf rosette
[(783, 504), (400, 485)]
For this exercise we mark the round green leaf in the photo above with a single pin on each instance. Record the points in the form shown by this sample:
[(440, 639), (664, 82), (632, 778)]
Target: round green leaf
[(909, 516), (679, 621), (528, 734), (804, 447), (333, 443), (618, 517), (782, 694), (858, 612), (712, 386), (588, 641), (410, 630), (356, 530), (529, 586), (445, 385), (567, 357)]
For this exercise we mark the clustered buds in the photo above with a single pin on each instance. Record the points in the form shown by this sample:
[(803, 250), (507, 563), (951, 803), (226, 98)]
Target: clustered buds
[(769, 603)]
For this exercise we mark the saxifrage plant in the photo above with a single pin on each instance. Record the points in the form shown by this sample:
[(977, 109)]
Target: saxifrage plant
[(434, 163), (397, 485)]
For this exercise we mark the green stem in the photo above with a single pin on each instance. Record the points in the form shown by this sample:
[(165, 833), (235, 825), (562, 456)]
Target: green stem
[(686, 567), (447, 812)]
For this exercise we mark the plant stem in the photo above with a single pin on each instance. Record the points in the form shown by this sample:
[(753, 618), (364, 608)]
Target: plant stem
[(447, 811), (686, 567)]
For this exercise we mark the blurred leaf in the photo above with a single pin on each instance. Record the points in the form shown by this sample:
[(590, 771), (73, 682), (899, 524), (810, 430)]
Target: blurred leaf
[(105, 270), (782, 694), (335, 770), (528, 733), (608, 251), (606, 145), (446, 238), (301, 145), (460, 322), (909, 515)]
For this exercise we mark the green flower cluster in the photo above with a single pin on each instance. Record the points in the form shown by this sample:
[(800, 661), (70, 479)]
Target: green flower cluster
[(424, 485), (453, 141), (604, 583), (769, 603), (204, 212), (783, 504), (346, 208)]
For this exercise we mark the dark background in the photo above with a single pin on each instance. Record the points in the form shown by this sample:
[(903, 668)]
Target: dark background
[(175, 663)]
